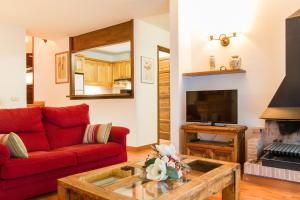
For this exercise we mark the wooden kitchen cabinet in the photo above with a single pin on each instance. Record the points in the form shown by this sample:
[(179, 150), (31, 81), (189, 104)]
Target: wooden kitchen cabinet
[(127, 69), (105, 74), (121, 70), (100, 72), (90, 70)]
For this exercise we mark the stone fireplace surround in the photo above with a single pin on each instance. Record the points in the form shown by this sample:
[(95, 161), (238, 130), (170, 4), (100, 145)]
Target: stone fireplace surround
[(287, 132)]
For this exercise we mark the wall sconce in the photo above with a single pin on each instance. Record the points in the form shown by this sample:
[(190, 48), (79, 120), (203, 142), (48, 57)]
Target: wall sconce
[(224, 39)]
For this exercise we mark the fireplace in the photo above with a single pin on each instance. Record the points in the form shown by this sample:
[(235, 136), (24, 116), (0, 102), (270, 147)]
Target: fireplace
[(274, 151), (283, 113), (281, 139), (282, 148)]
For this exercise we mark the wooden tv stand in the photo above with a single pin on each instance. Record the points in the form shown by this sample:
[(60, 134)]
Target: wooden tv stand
[(229, 151)]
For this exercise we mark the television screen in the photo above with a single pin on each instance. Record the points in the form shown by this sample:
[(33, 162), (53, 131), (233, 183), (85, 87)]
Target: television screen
[(218, 106)]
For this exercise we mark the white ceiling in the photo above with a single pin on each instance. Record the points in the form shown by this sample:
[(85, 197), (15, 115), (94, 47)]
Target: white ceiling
[(162, 21), (114, 49), (52, 19)]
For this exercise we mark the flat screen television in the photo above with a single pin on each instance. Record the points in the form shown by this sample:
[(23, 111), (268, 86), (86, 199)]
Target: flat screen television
[(216, 106)]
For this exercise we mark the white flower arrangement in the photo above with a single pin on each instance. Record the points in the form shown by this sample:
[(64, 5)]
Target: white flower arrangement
[(165, 164)]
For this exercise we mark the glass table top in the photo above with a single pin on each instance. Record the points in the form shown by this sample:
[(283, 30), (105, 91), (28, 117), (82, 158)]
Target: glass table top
[(130, 180)]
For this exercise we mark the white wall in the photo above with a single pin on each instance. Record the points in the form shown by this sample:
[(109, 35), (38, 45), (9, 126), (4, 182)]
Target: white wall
[(147, 37), (180, 33), (260, 43), (12, 67), (45, 88), (138, 114)]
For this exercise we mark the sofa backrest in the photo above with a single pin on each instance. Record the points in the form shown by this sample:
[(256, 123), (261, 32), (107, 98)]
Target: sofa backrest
[(65, 126), (27, 123)]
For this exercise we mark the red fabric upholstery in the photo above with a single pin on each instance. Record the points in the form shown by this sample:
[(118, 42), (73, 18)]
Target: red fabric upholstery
[(35, 141), (93, 152), (62, 137), (27, 123), (69, 116), (62, 172), (118, 135), (4, 154), (10, 184), (21, 120), (65, 126), (24, 178), (38, 162), (23, 188)]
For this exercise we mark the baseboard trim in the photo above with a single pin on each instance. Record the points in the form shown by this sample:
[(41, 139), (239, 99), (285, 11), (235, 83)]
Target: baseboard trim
[(140, 148)]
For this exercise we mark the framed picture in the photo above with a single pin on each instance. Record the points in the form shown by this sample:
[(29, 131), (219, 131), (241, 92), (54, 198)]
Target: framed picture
[(147, 70), (62, 67)]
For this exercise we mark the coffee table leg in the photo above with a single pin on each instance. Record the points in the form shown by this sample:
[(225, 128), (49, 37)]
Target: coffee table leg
[(232, 192), (63, 193)]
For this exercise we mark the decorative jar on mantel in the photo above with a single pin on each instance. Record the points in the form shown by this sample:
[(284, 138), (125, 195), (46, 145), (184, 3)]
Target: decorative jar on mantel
[(235, 62)]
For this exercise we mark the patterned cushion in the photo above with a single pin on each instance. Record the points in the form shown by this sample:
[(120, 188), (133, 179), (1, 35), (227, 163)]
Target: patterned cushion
[(14, 144), (98, 133)]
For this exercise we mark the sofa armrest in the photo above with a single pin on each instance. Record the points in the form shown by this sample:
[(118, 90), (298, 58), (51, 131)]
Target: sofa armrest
[(4, 154), (118, 135)]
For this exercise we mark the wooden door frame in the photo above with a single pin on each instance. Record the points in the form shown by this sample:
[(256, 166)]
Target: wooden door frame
[(32, 43), (166, 50)]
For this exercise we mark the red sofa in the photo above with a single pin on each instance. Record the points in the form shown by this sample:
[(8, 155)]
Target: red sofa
[(53, 138)]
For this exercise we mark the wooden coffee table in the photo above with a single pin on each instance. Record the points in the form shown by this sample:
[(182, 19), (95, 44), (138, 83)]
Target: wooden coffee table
[(127, 181)]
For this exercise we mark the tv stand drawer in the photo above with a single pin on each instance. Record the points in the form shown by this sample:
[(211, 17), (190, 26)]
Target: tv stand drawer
[(211, 153), (233, 150)]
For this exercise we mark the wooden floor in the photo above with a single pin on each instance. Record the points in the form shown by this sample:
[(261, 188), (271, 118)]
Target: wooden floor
[(252, 188)]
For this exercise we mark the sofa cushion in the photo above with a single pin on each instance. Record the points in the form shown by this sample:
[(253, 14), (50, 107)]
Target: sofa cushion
[(98, 133), (14, 144), (93, 152), (27, 123), (61, 137), (38, 162), (65, 126), (69, 116)]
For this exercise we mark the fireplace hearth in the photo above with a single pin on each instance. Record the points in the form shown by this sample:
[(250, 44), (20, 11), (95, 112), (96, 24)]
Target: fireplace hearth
[(280, 155)]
